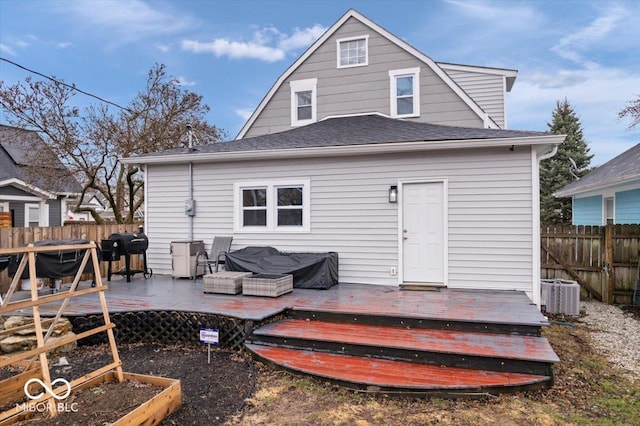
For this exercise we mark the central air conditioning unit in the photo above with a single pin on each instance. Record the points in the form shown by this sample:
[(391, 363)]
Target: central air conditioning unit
[(561, 296)]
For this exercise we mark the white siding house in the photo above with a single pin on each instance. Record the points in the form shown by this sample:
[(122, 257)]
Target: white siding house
[(359, 116)]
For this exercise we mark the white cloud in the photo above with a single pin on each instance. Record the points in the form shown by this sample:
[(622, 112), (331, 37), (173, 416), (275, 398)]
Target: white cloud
[(596, 96), (234, 49), (163, 47), (125, 22), (7, 49), (243, 113), (64, 45), (301, 38), (500, 15), (267, 44), (571, 46), (182, 81)]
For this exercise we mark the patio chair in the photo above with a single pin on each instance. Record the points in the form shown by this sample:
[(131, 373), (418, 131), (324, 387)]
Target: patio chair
[(219, 247)]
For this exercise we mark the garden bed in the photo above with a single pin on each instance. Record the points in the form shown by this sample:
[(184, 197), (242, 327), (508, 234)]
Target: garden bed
[(139, 399)]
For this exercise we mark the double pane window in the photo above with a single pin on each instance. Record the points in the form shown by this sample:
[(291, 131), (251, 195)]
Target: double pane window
[(305, 105), (273, 206), (254, 207), (404, 95), (289, 209), (405, 92)]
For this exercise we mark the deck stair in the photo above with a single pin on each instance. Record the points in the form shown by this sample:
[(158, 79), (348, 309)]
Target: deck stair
[(404, 355)]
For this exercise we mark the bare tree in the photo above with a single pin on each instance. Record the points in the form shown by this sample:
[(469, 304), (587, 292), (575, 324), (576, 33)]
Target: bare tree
[(632, 110), (90, 144)]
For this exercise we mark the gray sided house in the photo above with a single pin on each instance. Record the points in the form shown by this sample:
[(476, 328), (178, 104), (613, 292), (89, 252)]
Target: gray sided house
[(609, 194), (25, 191), (367, 147)]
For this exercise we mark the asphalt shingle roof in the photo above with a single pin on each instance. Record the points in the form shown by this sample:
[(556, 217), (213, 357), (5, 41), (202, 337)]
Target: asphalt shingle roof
[(355, 130), (16, 145), (624, 166)]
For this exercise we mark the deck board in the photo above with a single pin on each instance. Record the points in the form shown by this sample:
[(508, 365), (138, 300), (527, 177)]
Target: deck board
[(441, 341), (391, 374), (163, 293)]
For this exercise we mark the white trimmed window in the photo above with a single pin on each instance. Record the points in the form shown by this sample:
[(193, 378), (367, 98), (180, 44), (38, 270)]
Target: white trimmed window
[(276, 206), (353, 51), (405, 92), (31, 215), (303, 101)]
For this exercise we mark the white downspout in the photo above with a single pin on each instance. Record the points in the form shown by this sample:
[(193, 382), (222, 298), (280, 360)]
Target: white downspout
[(191, 216), (536, 220)]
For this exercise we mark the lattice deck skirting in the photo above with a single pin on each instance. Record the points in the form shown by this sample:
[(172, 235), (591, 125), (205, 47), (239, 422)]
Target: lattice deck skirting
[(165, 327)]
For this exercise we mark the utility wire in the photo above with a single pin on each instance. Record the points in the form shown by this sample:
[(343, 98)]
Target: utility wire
[(67, 85)]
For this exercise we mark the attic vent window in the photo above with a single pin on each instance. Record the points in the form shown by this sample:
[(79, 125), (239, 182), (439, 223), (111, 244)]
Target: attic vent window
[(353, 52)]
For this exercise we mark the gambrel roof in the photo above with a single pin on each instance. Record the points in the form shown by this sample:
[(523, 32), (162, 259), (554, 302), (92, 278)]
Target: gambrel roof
[(351, 13)]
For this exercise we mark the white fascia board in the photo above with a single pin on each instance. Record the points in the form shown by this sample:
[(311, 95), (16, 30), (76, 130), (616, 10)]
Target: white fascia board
[(28, 188), (597, 186), (346, 150), (351, 13)]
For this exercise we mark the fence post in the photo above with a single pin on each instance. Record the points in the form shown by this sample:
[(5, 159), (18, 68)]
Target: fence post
[(610, 279)]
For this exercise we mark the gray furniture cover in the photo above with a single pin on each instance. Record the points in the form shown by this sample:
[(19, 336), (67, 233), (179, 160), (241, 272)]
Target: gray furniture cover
[(56, 264), (309, 270)]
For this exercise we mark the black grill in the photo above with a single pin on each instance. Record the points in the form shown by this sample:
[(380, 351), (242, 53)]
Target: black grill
[(126, 244)]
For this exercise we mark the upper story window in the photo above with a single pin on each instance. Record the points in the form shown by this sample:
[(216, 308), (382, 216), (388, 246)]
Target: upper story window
[(303, 101), (272, 206), (405, 92), (353, 51)]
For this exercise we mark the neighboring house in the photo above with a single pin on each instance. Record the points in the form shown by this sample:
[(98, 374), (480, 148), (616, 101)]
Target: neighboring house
[(89, 201), (32, 199), (367, 147), (609, 194)]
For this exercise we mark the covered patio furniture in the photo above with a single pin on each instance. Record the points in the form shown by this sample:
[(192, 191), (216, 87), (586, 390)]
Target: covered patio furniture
[(309, 270), (219, 247)]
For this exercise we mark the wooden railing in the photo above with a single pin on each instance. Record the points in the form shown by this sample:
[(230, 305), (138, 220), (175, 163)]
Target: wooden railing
[(602, 259), (20, 237)]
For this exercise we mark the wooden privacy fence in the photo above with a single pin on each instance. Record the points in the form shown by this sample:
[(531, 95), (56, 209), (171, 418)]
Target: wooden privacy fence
[(19, 237), (602, 259)]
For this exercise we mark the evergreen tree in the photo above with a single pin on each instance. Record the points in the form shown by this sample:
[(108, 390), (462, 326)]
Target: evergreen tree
[(559, 170)]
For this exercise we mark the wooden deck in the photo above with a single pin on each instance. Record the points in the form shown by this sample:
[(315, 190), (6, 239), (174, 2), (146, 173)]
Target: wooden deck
[(165, 293), (446, 342)]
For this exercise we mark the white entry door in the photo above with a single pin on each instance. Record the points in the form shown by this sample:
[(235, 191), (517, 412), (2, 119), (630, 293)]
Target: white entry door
[(423, 232)]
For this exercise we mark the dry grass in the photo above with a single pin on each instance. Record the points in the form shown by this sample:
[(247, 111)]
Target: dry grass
[(587, 391)]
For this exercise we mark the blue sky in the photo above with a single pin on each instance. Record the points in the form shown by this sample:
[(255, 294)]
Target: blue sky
[(231, 52)]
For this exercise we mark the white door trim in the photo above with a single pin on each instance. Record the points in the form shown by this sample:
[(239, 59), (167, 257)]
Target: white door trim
[(445, 234)]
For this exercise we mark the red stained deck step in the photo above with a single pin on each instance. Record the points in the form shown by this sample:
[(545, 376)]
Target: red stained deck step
[(491, 345), (394, 375)]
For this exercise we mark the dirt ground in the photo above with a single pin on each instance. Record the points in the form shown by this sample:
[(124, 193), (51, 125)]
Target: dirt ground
[(234, 390), (211, 392)]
